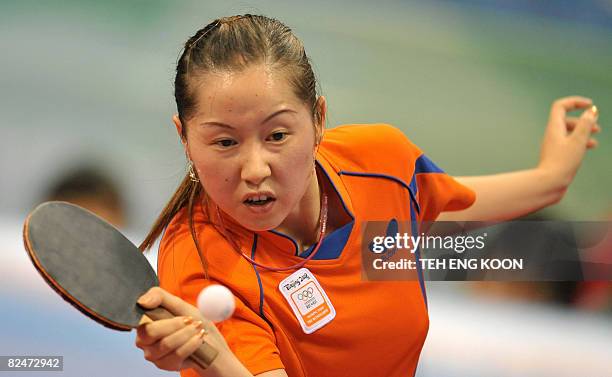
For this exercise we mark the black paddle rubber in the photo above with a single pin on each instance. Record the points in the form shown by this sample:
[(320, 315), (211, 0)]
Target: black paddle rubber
[(94, 267)]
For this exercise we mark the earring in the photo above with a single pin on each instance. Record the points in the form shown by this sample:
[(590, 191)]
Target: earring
[(192, 174)]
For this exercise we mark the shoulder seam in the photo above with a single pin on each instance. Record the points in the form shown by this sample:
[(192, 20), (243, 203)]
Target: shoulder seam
[(389, 177)]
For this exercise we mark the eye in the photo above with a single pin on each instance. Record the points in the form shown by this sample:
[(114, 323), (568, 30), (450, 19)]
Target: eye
[(226, 143), (278, 136)]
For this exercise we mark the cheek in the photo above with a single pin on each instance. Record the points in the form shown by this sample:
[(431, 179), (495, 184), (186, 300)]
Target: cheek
[(298, 166), (214, 178)]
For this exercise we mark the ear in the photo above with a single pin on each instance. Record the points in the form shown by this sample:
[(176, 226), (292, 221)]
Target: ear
[(321, 109), (179, 128)]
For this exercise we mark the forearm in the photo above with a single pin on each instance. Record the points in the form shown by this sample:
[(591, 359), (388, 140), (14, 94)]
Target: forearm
[(509, 195), (225, 365)]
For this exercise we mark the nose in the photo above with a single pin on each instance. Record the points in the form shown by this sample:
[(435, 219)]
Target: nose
[(255, 167)]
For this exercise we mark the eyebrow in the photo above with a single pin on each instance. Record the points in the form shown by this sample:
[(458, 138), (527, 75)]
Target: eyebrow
[(223, 125)]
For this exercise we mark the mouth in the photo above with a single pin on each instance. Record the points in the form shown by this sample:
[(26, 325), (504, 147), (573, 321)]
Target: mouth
[(259, 200)]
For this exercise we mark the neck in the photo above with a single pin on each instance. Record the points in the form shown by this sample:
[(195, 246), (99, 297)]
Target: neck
[(303, 224)]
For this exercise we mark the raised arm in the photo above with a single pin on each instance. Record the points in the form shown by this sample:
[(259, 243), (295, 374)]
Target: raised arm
[(509, 195)]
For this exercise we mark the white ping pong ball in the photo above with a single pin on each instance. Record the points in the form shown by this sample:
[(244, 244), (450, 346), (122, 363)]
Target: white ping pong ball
[(216, 303)]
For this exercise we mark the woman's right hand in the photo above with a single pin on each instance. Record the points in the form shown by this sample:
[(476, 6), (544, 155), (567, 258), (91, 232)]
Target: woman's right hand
[(168, 343)]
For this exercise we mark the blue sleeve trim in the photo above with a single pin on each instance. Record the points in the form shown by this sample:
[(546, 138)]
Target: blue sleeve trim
[(414, 226), (424, 165), (413, 185)]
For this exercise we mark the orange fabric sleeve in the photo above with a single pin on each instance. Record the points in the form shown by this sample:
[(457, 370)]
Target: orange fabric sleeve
[(439, 192), (436, 191)]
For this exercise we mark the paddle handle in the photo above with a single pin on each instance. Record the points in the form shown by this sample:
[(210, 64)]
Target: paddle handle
[(203, 356)]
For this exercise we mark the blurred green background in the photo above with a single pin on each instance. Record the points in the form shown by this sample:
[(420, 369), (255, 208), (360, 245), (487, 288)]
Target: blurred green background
[(470, 82)]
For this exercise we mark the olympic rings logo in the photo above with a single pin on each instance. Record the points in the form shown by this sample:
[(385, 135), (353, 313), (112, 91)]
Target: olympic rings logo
[(306, 294)]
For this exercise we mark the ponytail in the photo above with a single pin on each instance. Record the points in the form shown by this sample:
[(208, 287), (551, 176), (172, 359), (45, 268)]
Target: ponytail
[(185, 195), (181, 197)]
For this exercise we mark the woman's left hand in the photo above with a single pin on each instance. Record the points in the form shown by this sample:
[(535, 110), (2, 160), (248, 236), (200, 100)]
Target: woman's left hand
[(566, 139)]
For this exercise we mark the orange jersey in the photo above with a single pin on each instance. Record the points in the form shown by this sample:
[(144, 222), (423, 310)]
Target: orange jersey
[(379, 327)]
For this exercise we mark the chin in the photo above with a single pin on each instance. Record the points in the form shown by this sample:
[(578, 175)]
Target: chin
[(259, 225)]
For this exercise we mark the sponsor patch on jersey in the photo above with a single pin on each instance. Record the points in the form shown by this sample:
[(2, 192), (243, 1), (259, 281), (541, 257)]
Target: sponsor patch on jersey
[(308, 300)]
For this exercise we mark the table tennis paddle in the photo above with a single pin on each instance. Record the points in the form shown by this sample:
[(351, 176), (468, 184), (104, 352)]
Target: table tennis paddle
[(95, 268)]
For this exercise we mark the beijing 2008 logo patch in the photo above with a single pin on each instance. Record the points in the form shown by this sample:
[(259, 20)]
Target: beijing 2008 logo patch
[(308, 300)]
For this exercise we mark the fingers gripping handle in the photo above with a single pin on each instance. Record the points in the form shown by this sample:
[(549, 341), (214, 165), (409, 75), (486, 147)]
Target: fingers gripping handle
[(203, 356)]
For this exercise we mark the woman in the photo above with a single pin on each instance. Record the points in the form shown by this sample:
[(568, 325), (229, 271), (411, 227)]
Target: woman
[(272, 201)]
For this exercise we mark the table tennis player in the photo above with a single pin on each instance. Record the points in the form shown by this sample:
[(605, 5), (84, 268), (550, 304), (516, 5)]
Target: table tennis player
[(272, 205)]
